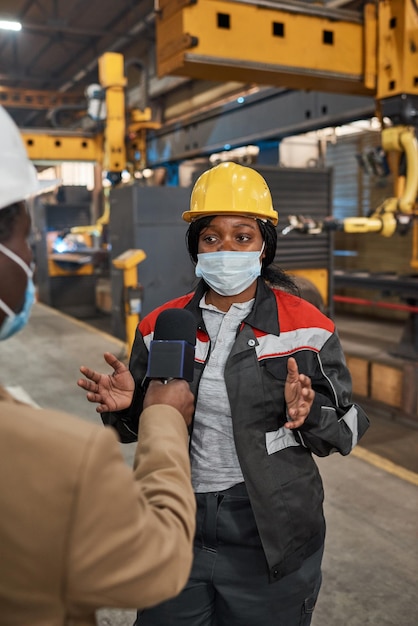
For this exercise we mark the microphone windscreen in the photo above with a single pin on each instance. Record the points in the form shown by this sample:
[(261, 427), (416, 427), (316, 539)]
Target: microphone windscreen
[(176, 325)]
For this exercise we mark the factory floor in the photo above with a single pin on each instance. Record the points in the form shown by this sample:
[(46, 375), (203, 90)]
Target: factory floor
[(370, 565)]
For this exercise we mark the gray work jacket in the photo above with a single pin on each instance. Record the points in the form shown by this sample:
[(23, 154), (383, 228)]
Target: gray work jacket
[(280, 474)]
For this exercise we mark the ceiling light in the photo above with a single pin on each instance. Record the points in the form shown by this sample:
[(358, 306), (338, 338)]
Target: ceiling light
[(10, 25)]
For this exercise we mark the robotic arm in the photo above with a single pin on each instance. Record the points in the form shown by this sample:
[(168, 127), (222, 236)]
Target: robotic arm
[(394, 214)]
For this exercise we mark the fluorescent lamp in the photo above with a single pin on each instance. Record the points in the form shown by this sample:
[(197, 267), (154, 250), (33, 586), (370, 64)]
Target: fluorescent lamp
[(10, 25)]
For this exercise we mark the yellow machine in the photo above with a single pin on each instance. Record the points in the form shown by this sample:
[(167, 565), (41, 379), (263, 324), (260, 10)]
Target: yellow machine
[(308, 46), (128, 263), (395, 212), (119, 144), (122, 144)]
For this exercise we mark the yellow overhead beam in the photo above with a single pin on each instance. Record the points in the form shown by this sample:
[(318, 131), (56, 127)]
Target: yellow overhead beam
[(292, 44), (54, 147), (226, 40)]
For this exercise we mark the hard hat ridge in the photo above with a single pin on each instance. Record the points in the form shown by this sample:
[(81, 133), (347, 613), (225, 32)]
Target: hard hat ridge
[(228, 189), (18, 178)]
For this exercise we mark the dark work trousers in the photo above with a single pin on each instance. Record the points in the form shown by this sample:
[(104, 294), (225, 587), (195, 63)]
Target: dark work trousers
[(228, 584)]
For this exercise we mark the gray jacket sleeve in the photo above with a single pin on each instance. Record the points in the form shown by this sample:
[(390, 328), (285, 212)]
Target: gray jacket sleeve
[(335, 423)]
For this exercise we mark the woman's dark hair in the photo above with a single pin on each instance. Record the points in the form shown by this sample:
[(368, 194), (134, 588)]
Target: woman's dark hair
[(272, 273), (8, 219)]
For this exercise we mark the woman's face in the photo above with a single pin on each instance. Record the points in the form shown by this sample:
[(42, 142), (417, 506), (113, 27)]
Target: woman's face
[(231, 233)]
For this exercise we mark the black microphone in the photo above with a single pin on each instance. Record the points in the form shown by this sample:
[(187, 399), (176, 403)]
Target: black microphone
[(171, 353)]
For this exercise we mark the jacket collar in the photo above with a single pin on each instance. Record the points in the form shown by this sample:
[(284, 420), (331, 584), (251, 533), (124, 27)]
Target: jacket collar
[(264, 315)]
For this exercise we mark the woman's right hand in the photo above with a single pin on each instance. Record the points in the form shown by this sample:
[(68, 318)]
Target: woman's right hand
[(111, 392)]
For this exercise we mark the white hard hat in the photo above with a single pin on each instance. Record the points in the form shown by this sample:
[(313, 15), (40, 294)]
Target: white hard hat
[(18, 178)]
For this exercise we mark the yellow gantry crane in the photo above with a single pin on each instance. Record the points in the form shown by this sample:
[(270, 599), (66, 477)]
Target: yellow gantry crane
[(121, 143), (308, 46)]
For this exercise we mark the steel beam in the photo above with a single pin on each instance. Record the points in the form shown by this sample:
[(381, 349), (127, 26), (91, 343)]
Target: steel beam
[(57, 25), (270, 115), (36, 99)]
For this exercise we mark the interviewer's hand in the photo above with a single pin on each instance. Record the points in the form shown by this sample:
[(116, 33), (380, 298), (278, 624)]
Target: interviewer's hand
[(175, 393), (112, 392), (299, 395)]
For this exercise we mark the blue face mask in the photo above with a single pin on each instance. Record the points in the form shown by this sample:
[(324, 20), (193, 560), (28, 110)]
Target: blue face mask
[(229, 273), (16, 321)]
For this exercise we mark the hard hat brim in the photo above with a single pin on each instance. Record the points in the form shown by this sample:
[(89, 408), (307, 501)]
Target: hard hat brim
[(192, 216)]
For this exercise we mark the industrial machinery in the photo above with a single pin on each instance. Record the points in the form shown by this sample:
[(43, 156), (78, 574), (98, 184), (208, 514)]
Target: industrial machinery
[(72, 248), (68, 263), (304, 46), (116, 140), (299, 46), (285, 44)]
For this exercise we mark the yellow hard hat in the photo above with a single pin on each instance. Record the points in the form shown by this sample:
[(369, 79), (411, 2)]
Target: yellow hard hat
[(230, 188)]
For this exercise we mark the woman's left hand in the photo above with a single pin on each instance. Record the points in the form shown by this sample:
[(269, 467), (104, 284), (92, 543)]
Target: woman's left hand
[(299, 395)]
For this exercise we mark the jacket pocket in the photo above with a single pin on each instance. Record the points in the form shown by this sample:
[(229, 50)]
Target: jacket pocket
[(280, 439)]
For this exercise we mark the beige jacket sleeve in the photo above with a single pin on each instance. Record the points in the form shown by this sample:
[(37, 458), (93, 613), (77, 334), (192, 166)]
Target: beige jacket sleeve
[(130, 540)]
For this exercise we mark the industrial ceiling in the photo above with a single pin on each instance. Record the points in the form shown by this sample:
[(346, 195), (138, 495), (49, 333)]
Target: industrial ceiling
[(57, 52), (59, 45)]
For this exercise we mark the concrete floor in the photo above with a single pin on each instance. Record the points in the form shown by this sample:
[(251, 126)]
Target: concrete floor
[(371, 497)]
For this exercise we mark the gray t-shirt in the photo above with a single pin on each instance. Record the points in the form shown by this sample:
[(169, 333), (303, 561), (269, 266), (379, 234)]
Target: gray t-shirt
[(214, 460)]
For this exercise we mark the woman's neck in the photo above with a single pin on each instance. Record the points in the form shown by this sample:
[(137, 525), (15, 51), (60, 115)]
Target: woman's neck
[(224, 303)]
